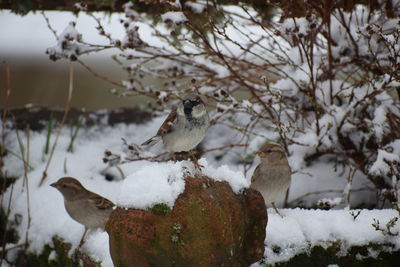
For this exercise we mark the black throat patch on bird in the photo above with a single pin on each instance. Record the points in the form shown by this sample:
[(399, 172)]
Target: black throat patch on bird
[(188, 113)]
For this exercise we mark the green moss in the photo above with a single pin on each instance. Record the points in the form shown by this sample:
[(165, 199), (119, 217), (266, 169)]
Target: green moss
[(160, 209)]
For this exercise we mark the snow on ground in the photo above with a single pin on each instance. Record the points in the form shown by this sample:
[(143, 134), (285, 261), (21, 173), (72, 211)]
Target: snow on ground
[(300, 230), (297, 232)]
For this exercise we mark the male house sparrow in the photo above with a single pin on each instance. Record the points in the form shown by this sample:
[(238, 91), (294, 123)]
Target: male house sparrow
[(84, 206), (184, 127), (273, 175)]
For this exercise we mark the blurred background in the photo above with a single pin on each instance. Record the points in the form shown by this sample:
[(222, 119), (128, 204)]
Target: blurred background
[(37, 80)]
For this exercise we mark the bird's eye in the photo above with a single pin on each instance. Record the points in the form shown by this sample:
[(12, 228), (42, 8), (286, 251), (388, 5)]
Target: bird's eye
[(64, 186), (269, 151)]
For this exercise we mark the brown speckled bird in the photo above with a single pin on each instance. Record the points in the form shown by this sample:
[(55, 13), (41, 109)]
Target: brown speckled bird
[(185, 126), (273, 175), (84, 206)]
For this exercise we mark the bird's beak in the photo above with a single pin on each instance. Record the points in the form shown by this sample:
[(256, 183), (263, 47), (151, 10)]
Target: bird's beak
[(54, 184), (261, 154)]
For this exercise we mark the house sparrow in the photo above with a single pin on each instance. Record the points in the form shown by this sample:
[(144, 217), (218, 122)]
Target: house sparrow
[(184, 127), (84, 206), (273, 175)]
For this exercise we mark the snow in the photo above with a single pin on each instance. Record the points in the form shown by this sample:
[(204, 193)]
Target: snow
[(379, 119), (298, 25), (381, 165), (148, 183), (223, 173), (324, 180), (176, 17), (97, 247), (163, 182), (196, 7), (300, 230)]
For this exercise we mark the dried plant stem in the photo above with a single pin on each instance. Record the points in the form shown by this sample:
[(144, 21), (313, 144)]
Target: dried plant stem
[(3, 121), (3, 136), (151, 158), (347, 189), (49, 25), (14, 247), (49, 131), (5, 225), (64, 118), (5, 105), (224, 147), (25, 159), (26, 163), (102, 77), (293, 201)]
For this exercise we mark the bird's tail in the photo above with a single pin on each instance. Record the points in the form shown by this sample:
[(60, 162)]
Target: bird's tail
[(152, 141)]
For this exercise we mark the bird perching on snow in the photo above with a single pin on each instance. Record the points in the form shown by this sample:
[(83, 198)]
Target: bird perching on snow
[(272, 176), (184, 128), (84, 206)]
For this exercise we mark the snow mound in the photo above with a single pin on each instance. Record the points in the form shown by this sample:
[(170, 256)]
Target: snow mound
[(236, 179), (152, 184), (163, 182)]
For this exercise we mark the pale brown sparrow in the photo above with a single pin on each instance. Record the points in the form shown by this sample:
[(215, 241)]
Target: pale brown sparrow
[(184, 127), (273, 175), (84, 206)]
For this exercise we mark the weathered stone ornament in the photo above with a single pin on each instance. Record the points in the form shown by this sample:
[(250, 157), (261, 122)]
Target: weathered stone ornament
[(209, 225)]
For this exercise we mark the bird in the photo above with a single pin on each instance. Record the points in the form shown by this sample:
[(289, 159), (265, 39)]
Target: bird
[(184, 128), (84, 206), (272, 176)]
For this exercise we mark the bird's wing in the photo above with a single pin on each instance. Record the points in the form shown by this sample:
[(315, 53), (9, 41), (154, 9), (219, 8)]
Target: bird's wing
[(166, 127), (255, 173), (100, 202)]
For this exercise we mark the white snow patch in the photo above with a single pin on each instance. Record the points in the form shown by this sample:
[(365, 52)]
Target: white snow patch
[(196, 7), (236, 179), (300, 230), (381, 165), (163, 182), (176, 17)]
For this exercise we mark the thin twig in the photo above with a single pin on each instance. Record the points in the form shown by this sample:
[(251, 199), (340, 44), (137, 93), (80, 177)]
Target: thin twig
[(49, 25), (224, 147), (14, 247), (6, 223), (104, 78), (27, 184), (323, 192), (64, 118), (3, 124), (151, 158)]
